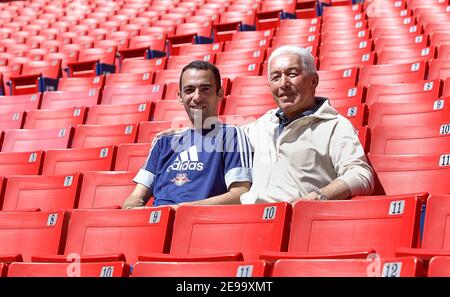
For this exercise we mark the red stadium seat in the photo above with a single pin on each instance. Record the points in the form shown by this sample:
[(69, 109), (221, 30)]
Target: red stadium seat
[(54, 118), (99, 235), (131, 156), (201, 269), (439, 69), (402, 56), (102, 269), (169, 110), (19, 103), (43, 192), (144, 45), (348, 228), (439, 267), (167, 76), (119, 114), (129, 79), (3, 269), (105, 189), (93, 61), (446, 90), (226, 232), (248, 104), (343, 97), (418, 139), (68, 99), (103, 135), (147, 130), (134, 94), (335, 63), (81, 83), (391, 74), (427, 90), (194, 49), (400, 174), (143, 65), (25, 140), (242, 45), (250, 85), (402, 114), (356, 114), (245, 69), (11, 120), (24, 234), (7, 72), (67, 161), (178, 62), (20, 163), (244, 57), (386, 267)]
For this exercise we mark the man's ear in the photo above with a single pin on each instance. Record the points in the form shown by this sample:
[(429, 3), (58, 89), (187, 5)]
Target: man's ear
[(315, 81), (179, 97), (221, 94)]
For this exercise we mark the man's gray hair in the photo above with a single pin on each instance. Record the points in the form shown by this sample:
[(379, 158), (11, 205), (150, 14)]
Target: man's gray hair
[(308, 62)]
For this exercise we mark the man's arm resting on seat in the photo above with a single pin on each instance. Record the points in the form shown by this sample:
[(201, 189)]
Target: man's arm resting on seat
[(336, 190), (138, 197), (233, 195)]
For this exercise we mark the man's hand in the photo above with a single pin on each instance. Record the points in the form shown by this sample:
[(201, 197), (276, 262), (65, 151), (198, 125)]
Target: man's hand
[(133, 202), (138, 197)]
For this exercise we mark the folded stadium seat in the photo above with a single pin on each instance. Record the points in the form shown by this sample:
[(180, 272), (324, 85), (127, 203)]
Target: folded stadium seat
[(106, 189), (81, 83), (391, 74), (402, 56), (439, 266), (143, 65), (167, 76), (351, 228), (7, 72), (402, 31), (46, 193), (122, 37), (102, 269), (131, 156), (253, 35), (400, 174), (356, 114), (439, 69), (37, 54), (103, 135), (241, 45), (207, 48), (337, 84), (243, 57), (26, 140), (147, 130), (129, 79), (231, 22), (67, 161), (424, 91), (364, 137), (85, 41), (435, 238), (352, 45), (186, 33), (271, 12), (145, 46), (342, 98), (250, 85), (99, 235), (226, 232), (300, 24), (419, 139), (11, 120), (304, 39), (55, 118), (350, 74), (21, 163), (231, 71), (255, 268), (135, 94), (19, 103), (342, 54), (169, 110), (446, 89), (244, 105), (394, 42), (437, 38), (378, 267), (419, 113), (119, 114), (24, 234), (93, 62), (178, 62), (69, 99), (357, 23), (335, 63)]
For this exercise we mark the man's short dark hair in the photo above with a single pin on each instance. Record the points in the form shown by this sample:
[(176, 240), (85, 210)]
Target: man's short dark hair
[(203, 65)]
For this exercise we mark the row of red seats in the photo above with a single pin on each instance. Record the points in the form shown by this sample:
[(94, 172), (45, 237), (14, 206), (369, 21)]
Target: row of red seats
[(248, 232), (388, 267)]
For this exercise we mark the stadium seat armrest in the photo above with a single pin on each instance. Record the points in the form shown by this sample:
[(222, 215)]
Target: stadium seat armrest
[(226, 256)]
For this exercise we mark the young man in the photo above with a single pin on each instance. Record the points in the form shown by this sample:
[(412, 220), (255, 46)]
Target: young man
[(209, 163)]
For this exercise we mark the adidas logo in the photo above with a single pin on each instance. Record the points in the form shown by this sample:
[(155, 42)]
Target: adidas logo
[(187, 160)]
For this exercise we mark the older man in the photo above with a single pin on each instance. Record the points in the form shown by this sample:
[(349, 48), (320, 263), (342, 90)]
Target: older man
[(304, 149), (209, 163)]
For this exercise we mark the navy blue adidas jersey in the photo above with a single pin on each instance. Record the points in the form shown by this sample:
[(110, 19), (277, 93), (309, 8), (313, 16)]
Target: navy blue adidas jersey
[(196, 164)]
